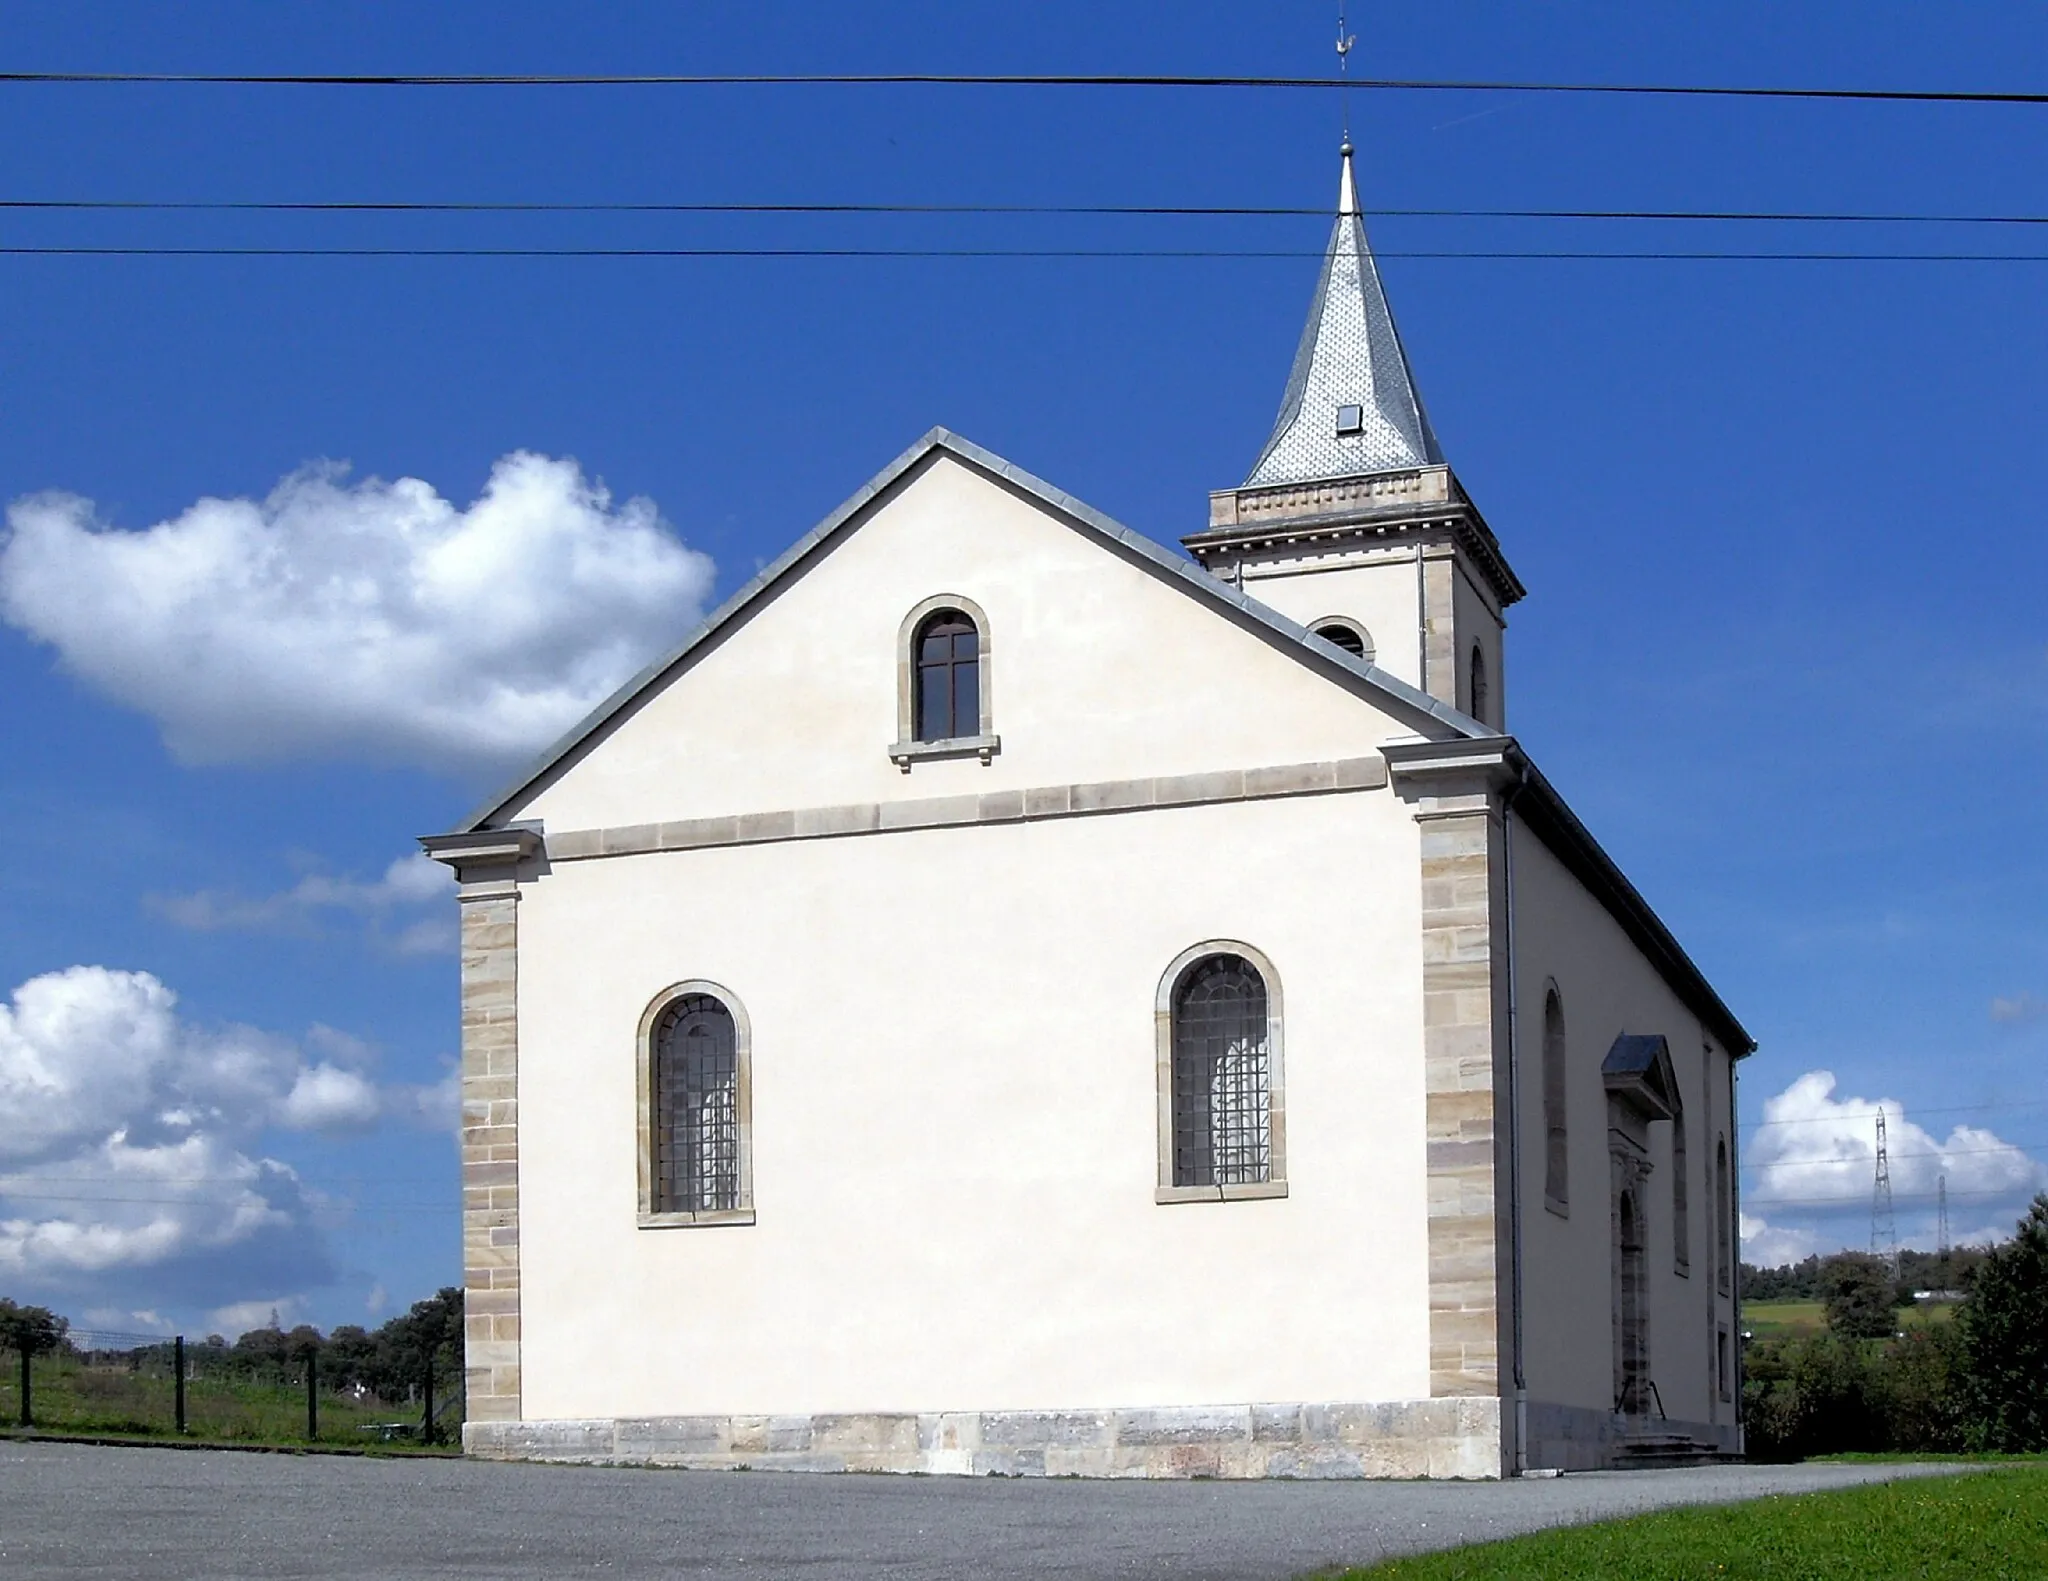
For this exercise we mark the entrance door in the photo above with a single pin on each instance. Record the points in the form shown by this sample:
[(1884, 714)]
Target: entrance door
[(1631, 1312)]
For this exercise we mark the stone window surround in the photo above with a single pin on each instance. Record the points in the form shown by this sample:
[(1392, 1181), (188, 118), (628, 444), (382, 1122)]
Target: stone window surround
[(907, 750), (1276, 1087), (1355, 627), (743, 1044)]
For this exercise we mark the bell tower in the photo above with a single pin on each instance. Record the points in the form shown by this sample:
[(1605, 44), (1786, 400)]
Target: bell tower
[(1351, 522)]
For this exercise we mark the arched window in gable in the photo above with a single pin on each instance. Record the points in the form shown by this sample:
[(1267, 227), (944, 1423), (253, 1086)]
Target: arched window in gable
[(1556, 1151), (942, 683), (1222, 1131), (948, 677), (695, 1089)]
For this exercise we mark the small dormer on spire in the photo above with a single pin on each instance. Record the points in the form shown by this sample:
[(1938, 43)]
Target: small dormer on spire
[(1351, 408)]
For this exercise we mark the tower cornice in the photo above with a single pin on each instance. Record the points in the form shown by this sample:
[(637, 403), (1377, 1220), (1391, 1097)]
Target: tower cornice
[(1416, 502)]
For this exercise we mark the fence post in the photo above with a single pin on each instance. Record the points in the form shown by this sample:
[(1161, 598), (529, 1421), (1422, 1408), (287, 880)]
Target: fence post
[(178, 1389), (28, 1416), (312, 1394), (426, 1426)]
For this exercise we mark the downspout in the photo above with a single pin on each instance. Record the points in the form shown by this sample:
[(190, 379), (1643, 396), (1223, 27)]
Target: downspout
[(1521, 1381), (1735, 1241)]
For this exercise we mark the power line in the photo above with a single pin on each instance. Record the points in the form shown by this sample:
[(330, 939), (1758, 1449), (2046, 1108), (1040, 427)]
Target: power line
[(1135, 210), (1859, 1201), (1490, 254), (993, 80), (1865, 1114)]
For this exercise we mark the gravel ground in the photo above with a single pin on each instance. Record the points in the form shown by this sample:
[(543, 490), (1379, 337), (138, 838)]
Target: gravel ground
[(76, 1510)]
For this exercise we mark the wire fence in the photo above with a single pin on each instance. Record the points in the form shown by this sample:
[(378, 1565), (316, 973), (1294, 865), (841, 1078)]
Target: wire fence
[(153, 1385)]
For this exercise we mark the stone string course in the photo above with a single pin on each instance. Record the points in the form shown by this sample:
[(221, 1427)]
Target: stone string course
[(940, 812), (1400, 1438)]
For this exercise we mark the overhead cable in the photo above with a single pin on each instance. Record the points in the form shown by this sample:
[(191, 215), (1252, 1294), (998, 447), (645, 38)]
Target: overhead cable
[(994, 80), (1136, 210), (1001, 252)]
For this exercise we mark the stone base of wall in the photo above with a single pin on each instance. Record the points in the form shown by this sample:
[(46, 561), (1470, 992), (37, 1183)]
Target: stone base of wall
[(1583, 1438), (1397, 1438)]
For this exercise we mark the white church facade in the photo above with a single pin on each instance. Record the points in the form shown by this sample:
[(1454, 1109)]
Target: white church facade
[(1006, 997)]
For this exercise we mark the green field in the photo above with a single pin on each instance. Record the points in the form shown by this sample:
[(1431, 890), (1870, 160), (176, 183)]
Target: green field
[(1776, 1319), (70, 1396), (1983, 1526)]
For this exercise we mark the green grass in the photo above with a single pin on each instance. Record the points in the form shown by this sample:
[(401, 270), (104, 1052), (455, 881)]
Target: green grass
[(69, 1396), (1982, 1526), (1769, 1319), (1776, 1319)]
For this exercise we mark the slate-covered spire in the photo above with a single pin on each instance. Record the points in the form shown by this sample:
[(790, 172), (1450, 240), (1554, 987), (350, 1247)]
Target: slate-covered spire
[(1351, 406)]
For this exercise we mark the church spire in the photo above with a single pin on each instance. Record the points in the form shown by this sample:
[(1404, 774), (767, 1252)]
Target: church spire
[(1351, 406)]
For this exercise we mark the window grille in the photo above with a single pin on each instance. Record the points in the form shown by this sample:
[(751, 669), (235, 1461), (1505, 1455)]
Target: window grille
[(1681, 1205), (1222, 1076), (948, 678), (1724, 1215), (1556, 1149), (696, 1108)]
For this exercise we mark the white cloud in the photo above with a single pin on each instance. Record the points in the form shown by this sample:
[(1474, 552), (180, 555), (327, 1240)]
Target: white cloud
[(2019, 1008), (433, 1106), (386, 907), (1768, 1245), (123, 1320), (239, 1317), (367, 618), (128, 1135), (1814, 1157)]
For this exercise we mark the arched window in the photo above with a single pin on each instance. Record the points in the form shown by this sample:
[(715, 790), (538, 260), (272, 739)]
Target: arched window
[(1681, 1216), (696, 1126), (948, 677), (1221, 1129), (1346, 634), (1724, 1216), (1477, 690), (1556, 1153), (942, 684)]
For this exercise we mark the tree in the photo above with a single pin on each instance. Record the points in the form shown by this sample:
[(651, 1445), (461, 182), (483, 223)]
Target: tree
[(2005, 1341), (31, 1331), (1861, 1300)]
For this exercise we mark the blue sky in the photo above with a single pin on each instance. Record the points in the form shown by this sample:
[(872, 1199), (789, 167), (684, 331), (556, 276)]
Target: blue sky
[(1783, 647)]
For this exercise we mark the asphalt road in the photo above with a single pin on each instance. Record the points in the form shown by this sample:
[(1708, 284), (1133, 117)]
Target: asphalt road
[(76, 1511)]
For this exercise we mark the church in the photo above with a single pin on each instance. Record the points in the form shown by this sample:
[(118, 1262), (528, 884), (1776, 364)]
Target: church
[(1004, 997)]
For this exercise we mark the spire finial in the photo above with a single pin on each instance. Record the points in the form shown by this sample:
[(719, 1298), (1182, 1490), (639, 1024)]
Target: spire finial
[(1344, 42)]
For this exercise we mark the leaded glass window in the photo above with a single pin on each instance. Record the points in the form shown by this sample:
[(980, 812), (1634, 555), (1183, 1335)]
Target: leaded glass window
[(1222, 1075), (948, 678), (696, 1118)]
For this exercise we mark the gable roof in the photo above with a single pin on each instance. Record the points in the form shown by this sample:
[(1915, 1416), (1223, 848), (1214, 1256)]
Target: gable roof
[(1177, 570)]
